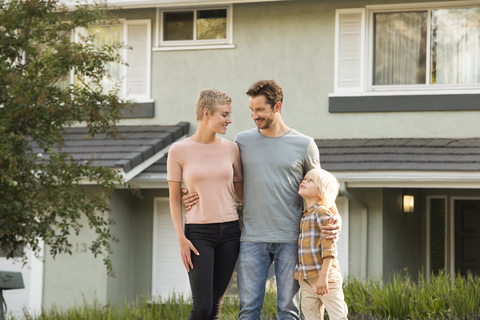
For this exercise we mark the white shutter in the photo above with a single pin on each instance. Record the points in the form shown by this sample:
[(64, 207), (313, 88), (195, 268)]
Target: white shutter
[(169, 274), (349, 50), (138, 36)]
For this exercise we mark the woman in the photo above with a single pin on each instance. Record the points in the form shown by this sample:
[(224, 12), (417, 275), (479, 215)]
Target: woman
[(210, 166)]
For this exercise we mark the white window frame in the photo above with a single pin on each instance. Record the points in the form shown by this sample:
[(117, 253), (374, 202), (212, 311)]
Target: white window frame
[(368, 89), (371, 10), (162, 45)]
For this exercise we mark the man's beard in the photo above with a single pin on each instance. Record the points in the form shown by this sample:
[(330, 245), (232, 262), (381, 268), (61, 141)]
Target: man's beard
[(267, 124)]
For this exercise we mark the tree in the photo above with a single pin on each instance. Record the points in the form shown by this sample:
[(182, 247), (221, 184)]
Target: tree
[(40, 197)]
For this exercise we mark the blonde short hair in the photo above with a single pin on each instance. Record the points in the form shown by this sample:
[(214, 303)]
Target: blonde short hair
[(327, 185), (211, 99)]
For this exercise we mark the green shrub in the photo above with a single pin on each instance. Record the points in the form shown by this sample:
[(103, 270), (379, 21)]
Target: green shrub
[(442, 297)]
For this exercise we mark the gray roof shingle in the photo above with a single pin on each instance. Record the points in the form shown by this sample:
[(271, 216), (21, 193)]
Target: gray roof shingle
[(400, 154), (390, 155), (135, 145)]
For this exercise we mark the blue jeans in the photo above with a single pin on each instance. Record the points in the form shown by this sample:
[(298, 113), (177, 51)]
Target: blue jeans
[(254, 261)]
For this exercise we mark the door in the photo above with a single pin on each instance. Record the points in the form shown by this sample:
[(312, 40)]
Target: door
[(169, 275), (467, 236)]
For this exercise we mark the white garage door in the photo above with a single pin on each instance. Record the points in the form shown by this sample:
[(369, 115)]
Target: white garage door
[(29, 298), (169, 274)]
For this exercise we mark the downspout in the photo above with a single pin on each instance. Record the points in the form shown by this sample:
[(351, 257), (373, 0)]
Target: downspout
[(364, 241)]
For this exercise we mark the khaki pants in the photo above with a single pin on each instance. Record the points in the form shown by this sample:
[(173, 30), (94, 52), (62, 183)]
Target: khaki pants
[(334, 301)]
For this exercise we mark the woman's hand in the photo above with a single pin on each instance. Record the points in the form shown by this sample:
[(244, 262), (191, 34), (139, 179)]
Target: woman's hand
[(185, 247), (322, 284)]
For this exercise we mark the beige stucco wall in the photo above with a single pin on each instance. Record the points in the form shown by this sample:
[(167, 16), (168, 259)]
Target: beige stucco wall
[(292, 42), (72, 279), (132, 255), (404, 234)]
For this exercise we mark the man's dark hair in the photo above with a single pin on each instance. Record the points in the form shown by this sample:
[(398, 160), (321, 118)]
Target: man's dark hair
[(267, 88)]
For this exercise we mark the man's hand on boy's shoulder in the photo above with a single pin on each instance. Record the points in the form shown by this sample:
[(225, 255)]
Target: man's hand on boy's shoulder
[(189, 199), (333, 231)]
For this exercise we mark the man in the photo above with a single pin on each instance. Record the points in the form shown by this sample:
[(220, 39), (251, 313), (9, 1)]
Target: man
[(275, 159)]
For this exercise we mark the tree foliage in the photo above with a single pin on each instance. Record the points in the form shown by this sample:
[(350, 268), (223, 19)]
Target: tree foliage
[(40, 197)]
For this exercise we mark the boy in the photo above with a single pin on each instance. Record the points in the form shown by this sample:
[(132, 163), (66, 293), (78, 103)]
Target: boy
[(317, 270)]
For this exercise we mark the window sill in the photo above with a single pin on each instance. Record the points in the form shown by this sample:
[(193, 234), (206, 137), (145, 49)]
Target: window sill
[(202, 47), (405, 102)]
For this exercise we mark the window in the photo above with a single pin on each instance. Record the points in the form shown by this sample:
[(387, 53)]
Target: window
[(103, 35), (201, 28), (455, 49), (400, 48), (135, 79), (414, 48)]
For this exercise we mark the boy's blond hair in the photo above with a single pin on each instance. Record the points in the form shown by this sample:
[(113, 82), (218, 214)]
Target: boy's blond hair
[(327, 185), (211, 99)]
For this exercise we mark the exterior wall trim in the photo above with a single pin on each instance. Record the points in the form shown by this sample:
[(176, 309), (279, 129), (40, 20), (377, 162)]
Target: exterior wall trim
[(364, 179), (423, 5), (205, 47), (151, 181), (135, 171), (404, 103), (398, 179)]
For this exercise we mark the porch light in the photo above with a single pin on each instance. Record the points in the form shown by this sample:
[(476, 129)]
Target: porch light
[(408, 203)]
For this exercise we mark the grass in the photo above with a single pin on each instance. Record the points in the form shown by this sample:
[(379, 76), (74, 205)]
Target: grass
[(442, 297), (174, 308)]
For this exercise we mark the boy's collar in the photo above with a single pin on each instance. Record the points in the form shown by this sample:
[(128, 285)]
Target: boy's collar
[(310, 209)]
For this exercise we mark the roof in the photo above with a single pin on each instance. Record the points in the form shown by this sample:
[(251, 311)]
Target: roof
[(389, 155), (135, 146), (127, 4), (400, 154)]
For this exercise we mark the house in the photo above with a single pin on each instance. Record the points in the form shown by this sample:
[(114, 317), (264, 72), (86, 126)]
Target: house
[(389, 90)]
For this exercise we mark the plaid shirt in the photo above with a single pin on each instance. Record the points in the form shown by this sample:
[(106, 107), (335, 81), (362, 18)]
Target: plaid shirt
[(312, 245)]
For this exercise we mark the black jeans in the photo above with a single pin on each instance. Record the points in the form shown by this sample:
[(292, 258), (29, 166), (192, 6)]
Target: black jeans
[(218, 245)]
